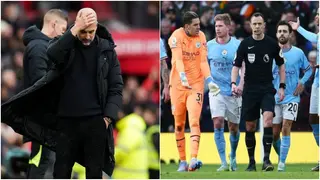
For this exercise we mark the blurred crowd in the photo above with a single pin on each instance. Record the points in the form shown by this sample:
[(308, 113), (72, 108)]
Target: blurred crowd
[(140, 94), (240, 12)]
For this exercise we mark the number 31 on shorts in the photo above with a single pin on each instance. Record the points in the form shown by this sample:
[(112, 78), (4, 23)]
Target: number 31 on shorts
[(199, 97)]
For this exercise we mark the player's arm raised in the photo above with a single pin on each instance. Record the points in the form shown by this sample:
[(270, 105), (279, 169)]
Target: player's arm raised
[(312, 37), (175, 45), (282, 72), (205, 69)]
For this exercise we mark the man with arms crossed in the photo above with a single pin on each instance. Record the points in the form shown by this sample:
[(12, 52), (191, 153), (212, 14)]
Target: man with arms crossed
[(314, 101), (189, 69), (258, 52), (221, 53), (287, 110)]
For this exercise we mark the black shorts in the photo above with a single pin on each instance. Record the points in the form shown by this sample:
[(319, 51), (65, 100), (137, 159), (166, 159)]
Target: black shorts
[(253, 101)]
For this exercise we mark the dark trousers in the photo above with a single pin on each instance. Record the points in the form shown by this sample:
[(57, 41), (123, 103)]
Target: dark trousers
[(154, 174), (46, 160), (85, 135)]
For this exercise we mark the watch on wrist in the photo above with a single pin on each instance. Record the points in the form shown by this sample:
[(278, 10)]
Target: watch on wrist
[(233, 83), (282, 85)]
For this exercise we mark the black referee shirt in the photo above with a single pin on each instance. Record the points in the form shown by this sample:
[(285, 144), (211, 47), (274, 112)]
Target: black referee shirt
[(258, 56)]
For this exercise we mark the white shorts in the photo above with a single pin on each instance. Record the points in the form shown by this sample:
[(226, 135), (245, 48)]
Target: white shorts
[(314, 100), (225, 106), (285, 111)]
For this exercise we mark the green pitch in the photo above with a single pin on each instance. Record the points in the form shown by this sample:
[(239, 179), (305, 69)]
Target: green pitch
[(208, 171)]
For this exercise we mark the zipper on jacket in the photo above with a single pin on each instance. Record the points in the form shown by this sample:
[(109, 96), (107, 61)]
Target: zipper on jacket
[(100, 78)]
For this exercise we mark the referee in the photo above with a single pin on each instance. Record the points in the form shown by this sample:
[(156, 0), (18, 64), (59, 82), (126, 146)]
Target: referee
[(258, 52)]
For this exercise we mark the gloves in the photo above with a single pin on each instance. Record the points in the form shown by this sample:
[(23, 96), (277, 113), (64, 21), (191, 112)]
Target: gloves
[(213, 88), (184, 80)]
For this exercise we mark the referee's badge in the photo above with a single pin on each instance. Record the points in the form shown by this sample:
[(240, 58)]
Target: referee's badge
[(251, 57), (198, 44), (224, 52), (266, 58)]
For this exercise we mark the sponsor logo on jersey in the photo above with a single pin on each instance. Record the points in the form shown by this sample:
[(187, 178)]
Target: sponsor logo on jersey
[(185, 53), (276, 72), (191, 56)]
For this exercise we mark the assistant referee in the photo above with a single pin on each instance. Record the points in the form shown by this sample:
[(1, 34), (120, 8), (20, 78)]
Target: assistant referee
[(258, 52)]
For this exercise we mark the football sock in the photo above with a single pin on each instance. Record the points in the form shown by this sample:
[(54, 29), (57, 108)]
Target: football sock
[(194, 141), (221, 144), (285, 145), (251, 144), (180, 138), (315, 129), (267, 142), (234, 140)]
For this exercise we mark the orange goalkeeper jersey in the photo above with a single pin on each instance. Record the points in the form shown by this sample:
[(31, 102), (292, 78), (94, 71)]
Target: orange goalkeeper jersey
[(189, 55)]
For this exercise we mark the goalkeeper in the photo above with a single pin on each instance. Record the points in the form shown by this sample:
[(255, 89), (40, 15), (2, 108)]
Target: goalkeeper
[(190, 71)]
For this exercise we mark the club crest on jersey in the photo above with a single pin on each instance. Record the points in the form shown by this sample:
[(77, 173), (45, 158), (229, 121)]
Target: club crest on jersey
[(198, 44), (224, 52), (266, 58), (251, 57), (174, 42)]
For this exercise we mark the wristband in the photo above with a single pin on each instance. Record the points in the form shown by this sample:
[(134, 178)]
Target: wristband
[(282, 85)]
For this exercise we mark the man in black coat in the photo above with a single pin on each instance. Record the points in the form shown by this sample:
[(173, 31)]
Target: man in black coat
[(36, 64), (78, 98)]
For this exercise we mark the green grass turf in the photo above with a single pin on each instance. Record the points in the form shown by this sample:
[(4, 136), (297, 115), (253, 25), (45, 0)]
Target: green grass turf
[(208, 171)]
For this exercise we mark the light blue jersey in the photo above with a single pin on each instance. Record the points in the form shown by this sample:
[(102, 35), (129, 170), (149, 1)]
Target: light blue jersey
[(163, 53), (312, 37), (220, 57), (294, 61)]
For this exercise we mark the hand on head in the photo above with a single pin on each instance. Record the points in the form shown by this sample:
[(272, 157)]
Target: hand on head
[(85, 18)]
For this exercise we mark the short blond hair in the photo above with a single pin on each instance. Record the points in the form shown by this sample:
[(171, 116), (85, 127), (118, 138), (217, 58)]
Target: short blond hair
[(223, 17), (53, 13)]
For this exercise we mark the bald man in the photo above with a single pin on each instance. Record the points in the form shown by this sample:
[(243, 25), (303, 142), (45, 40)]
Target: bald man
[(90, 97), (36, 64)]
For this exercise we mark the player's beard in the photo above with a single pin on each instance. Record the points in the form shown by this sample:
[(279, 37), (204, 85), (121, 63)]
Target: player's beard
[(283, 40), (86, 42)]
